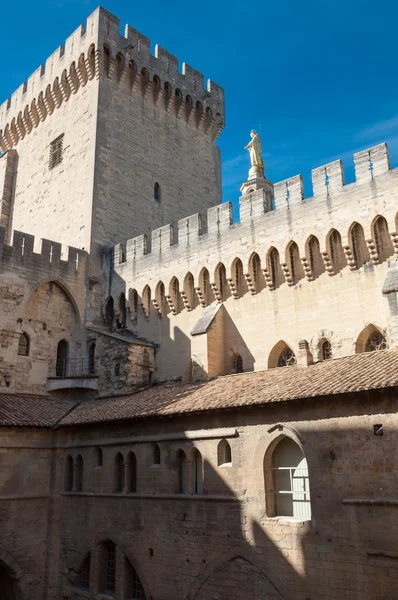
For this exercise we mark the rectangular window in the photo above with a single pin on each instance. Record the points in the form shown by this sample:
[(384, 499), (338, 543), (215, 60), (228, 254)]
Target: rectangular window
[(56, 151)]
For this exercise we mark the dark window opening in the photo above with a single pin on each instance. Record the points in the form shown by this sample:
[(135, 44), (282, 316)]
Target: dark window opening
[(156, 192), (61, 369), (156, 455), (23, 345), (110, 582), (84, 580), (56, 151)]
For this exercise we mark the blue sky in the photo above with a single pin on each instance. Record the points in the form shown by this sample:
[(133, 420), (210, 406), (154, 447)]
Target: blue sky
[(319, 79)]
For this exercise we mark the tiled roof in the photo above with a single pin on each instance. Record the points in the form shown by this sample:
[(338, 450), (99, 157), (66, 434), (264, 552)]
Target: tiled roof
[(355, 373), (32, 411)]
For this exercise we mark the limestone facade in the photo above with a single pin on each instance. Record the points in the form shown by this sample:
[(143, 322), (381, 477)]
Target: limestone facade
[(190, 408)]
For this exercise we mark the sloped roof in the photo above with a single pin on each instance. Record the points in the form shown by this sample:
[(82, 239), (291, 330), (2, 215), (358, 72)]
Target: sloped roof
[(19, 410), (366, 371), (206, 319)]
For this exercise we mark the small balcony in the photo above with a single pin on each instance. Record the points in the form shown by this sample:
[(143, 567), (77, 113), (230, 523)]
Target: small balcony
[(73, 373)]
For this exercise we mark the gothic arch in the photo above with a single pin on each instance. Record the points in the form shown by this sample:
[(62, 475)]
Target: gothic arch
[(234, 558), (15, 572), (58, 281)]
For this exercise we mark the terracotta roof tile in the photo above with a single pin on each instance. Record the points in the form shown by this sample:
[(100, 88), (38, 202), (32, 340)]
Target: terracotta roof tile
[(355, 373), (32, 411)]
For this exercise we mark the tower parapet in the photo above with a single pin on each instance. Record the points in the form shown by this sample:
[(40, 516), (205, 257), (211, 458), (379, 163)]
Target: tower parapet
[(96, 48)]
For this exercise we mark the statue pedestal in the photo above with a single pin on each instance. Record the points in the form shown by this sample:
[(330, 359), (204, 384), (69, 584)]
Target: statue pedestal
[(257, 189)]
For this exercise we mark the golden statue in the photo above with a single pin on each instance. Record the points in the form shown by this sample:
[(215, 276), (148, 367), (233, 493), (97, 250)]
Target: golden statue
[(255, 151)]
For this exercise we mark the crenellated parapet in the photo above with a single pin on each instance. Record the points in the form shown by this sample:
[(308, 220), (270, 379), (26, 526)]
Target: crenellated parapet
[(97, 50), (20, 256), (126, 59), (340, 226)]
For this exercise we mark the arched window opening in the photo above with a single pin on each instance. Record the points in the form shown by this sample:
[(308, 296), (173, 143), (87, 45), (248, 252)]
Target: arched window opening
[(382, 239), (174, 292), (99, 457), (146, 301), (178, 101), (156, 192), (155, 90), (188, 108), (359, 248), (290, 481), (238, 277), (121, 317), (376, 341), (68, 483), (281, 355), (73, 77), (336, 251), (91, 358), (108, 571), (168, 92), (204, 286), (160, 298), (134, 589), (198, 114), (371, 339), (325, 350), (82, 69), (91, 60), (61, 367), (287, 358), (182, 471), (189, 291), (314, 257), (294, 262), (133, 303), (220, 277), (274, 268), (132, 473), (255, 271), (109, 313), (119, 66), (131, 74), (79, 474), (224, 454), (116, 370), (106, 59), (144, 80), (237, 364), (156, 454), (197, 475), (84, 578), (119, 473), (23, 344)]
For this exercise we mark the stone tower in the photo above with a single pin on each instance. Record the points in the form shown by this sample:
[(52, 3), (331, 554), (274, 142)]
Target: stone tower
[(106, 141)]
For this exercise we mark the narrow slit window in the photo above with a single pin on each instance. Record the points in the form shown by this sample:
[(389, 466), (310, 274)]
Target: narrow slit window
[(56, 151), (156, 192)]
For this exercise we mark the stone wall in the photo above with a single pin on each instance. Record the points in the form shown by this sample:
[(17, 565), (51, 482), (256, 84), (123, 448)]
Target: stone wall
[(25, 509), (188, 546), (331, 294), (44, 297)]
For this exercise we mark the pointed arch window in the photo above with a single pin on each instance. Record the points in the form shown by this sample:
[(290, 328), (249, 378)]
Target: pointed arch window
[(84, 579), (68, 474), (134, 589), (274, 269), (197, 475), (119, 473), (294, 262), (314, 257), (359, 248), (99, 457), (291, 486), (182, 472), (61, 369), (224, 454), (156, 192), (132, 473), (337, 255), (382, 239), (237, 364), (23, 345), (156, 454), (79, 474), (326, 350)]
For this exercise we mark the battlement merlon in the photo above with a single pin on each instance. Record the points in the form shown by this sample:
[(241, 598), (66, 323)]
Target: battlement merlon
[(331, 197), (103, 29), (21, 254)]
